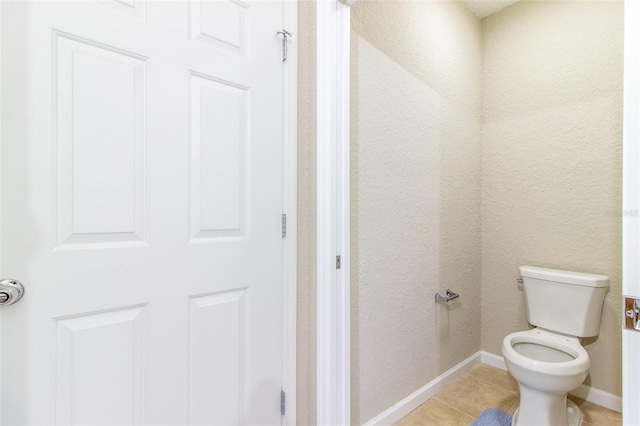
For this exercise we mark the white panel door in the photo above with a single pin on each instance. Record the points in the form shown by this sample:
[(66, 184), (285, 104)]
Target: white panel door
[(141, 204)]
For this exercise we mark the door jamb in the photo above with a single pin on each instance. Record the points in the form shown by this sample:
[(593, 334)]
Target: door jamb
[(630, 206), (333, 377), (1, 271)]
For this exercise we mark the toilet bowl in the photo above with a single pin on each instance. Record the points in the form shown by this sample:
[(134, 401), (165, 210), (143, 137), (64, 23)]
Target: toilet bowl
[(549, 361), (547, 366)]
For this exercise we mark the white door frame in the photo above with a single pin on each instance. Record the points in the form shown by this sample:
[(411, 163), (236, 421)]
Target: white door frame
[(289, 207), (631, 206), (333, 385)]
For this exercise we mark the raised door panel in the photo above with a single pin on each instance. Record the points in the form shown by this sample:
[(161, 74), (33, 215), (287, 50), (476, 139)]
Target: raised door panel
[(100, 365), (217, 352), (134, 8), (221, 24), (100, 115), (219, 136)]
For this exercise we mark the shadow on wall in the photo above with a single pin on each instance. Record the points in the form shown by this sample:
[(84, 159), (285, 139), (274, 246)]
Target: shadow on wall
[(415, 200)]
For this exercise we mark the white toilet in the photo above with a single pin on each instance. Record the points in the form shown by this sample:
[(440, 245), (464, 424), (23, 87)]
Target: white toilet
[(548, 361)]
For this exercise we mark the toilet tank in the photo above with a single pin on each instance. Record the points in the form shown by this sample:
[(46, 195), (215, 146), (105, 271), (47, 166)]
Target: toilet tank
[(564, 301)]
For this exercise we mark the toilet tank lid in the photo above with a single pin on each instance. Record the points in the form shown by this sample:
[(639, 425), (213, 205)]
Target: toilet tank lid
[(568, 277)]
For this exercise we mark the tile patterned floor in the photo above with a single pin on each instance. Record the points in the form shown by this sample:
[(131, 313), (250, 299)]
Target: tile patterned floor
[(487, 387)]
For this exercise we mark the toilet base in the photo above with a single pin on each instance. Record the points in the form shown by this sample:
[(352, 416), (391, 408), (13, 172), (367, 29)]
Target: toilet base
[(574, 415)]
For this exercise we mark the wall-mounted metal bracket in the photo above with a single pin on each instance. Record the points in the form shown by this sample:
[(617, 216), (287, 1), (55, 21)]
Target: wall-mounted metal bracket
[(449, 296)]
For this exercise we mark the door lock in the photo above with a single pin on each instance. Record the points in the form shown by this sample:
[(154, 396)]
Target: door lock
[(10, 291), (631, 313)]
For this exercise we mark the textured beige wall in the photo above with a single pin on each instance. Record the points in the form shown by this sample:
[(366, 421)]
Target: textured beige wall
[(415, 111), (551, 161), (306, 321)]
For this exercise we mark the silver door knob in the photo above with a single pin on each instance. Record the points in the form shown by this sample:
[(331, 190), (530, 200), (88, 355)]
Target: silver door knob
[(10, 291)]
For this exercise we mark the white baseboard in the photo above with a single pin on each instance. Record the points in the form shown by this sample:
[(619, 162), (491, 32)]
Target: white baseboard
[(593, 395), (493, 360), (393, 414), (599, 397)]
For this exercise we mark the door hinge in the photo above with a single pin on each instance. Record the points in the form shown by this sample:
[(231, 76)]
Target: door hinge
[(285, 39), (338, 262), (283, 402), (284, 225)]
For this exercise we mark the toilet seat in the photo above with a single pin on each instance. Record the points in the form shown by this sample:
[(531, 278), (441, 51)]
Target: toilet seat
[(546, 365), (577, 357)]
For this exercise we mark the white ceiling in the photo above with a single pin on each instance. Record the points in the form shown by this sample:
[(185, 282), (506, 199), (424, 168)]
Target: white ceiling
[(484, 8)]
